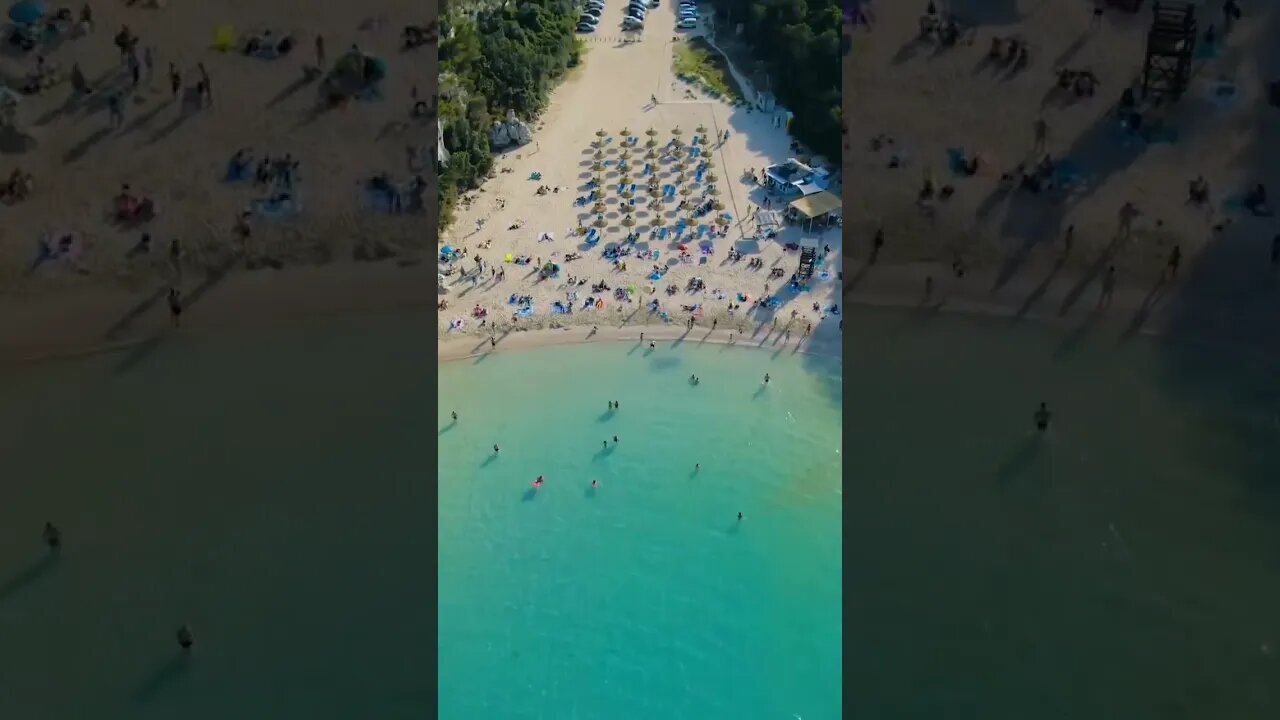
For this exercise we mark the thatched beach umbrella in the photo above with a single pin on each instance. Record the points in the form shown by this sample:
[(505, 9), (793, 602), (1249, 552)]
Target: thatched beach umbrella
[(628, 221), (625, 133), (651, 132), (655, 191), (651, 154), (601, 133), (651, 143), (678, 152), (655, 221), (599, 208), (713, 190), (677, 132), (702, 129), (627, 193), (582, 230), (599, 155), (724, 219), (600, 221), (625, 154), (711, 176), (597, 166), (717, 205), (686, 191)]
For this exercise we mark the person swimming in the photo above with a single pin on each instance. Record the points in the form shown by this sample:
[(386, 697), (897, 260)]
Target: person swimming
[(739, 515), (604, 444), (454, 415), (697, 467), (594, 484), (495, 448), (186, 638), (766, 378), (1042, 417), (538, 482), (615, 438)]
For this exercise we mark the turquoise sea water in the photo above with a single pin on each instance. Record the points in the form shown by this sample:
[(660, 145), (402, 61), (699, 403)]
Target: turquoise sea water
[(271, 490), (645, 598)]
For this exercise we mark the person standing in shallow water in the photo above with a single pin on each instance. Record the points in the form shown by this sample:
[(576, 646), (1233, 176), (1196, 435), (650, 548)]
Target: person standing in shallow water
[(1042, 417), (186, 638), (454, 415), (52, 537)]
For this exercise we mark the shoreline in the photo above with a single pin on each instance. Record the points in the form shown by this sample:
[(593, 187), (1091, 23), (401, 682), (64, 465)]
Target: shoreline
[(85, 324)]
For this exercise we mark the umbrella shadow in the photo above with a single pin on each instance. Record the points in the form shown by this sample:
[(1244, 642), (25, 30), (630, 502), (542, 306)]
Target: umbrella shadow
[(165, 676)]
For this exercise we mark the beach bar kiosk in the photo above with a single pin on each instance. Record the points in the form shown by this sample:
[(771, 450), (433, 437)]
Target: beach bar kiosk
[(795, 179), (817, 209)]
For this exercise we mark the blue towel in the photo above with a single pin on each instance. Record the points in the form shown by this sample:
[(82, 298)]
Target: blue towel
[(525, 311)]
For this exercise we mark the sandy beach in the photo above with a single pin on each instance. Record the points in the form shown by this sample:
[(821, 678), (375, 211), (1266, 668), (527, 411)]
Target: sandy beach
[(612, 92), (914, 107), (65, 252)]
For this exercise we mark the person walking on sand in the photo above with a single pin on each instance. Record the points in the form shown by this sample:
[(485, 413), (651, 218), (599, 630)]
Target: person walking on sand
[(175, 306), (876, 243), (175, 81), (1175, 259), (320, 51), (1099, 7), (1108, 287), (206, 86), (52, 537), (115, 109), (1127, 214)]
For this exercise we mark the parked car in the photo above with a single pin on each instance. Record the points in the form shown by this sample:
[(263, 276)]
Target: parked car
[(634, 18), (638, 6), (637, 13), (586, 28), (687, 24), (593, 12), (588, 20), (632, 24)]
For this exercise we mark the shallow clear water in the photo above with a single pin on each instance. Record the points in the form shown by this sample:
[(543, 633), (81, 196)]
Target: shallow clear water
[(1123, 566), (270, 490), (645, 598)]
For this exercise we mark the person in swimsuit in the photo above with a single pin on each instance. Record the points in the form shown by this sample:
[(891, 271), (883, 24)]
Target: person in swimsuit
[(766, 378), (651, 345), (538, 482), (495, 448), (615, 438), (739, 516), (604, 444), (52, 537), (1042, 417), (593, 484), (454, 415)]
